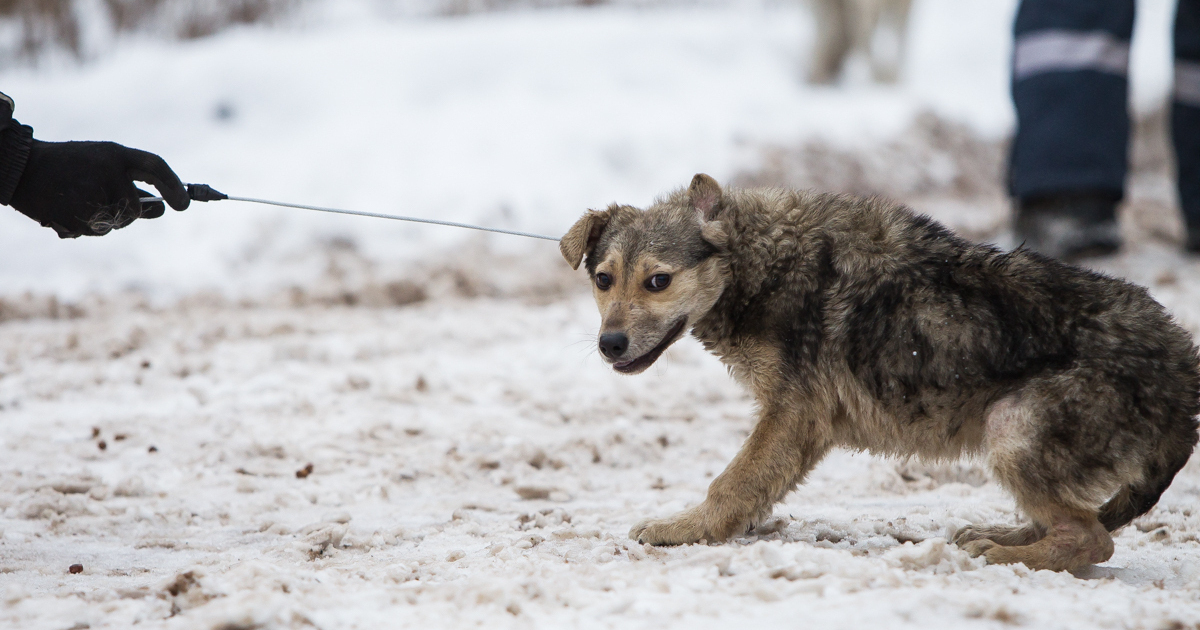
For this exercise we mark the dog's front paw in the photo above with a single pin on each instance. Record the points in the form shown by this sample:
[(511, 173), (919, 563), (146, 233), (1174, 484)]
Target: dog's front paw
[(686, 527), (676, 530)]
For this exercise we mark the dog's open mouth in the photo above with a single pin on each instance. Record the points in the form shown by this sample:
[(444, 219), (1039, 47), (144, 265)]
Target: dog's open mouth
[(636, 365)]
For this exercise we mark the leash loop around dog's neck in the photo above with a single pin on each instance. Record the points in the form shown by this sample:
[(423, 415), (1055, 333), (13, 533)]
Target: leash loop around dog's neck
[(204, 192)]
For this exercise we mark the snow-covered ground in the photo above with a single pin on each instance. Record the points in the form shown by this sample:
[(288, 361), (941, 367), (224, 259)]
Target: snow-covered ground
[(473, 462)]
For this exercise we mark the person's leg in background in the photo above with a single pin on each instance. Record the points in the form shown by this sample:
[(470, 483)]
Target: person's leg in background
[(1185, 116), (1070, 153)]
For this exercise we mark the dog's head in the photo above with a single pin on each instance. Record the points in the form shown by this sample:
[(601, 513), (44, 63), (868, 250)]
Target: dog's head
[(654, 272)]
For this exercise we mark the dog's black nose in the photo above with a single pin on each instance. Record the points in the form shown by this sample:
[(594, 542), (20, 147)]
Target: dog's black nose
[(613, 345)]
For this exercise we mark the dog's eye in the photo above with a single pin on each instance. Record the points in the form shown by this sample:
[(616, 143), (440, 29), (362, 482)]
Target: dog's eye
[(603, 281), (658, 282)]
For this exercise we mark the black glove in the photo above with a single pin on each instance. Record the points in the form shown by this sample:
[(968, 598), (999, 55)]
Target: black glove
[(86, 188)]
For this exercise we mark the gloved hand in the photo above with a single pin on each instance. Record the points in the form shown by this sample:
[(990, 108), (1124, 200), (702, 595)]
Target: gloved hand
[(86, 188)]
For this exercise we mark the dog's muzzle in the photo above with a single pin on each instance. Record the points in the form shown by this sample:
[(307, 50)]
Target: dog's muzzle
[(632, 366)]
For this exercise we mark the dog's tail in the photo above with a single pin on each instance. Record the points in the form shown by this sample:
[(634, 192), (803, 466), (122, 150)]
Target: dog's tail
[(1136, 499)]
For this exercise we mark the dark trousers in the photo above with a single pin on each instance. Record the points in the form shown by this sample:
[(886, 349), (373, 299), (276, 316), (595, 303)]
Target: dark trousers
[(1070, 87)]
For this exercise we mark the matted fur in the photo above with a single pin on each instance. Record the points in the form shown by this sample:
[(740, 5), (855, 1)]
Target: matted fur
[(856, 323)]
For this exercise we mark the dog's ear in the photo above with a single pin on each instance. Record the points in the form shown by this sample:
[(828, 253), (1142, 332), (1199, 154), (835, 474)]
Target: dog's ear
[(582, 236), (705, 196)]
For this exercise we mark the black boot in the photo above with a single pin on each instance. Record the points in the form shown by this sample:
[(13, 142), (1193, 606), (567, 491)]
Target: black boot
[(1070, 226), (1191, 243)]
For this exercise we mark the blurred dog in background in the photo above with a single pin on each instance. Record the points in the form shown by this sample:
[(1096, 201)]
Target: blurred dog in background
[(873, 28)]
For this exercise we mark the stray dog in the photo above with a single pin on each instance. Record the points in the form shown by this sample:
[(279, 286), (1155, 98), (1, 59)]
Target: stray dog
[(874, 28), (858, 324)]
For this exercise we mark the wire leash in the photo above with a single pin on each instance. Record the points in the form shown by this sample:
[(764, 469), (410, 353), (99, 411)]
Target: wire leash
[(204, 192)]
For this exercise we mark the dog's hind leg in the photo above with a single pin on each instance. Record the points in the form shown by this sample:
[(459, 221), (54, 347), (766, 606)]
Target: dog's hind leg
[(835, 24), (1006, 535), (1052, 446), (777, 455), (1073, 540), (887, 53)]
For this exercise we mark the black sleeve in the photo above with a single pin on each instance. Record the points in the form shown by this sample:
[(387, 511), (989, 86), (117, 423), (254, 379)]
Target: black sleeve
[(15, 140)]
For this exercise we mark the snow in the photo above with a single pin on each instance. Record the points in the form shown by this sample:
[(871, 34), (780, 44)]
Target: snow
[(473, 462), (425, 425)]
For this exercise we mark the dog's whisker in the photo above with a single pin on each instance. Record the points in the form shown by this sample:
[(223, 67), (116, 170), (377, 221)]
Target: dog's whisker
[(589, 341)]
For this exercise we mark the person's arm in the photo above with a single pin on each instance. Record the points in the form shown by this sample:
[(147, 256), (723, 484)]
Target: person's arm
[(80, 188), (15, 140)]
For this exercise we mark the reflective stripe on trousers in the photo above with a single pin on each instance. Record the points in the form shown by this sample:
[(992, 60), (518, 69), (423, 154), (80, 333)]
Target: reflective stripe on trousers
[(1065, 51)]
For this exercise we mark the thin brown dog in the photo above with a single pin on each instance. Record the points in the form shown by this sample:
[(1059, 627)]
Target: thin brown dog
[(858, 324)]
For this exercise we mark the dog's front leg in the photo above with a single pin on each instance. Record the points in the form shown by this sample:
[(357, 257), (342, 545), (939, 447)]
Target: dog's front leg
[(777, 455)]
